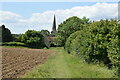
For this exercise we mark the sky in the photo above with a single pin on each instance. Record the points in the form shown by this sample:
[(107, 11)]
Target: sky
[(21, 16)]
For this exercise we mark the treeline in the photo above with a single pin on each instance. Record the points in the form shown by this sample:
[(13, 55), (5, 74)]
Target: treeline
[(92, 42), (31, 38)]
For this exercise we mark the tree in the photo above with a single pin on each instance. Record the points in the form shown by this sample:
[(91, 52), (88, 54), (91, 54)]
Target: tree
[(5, 34), (33, 39), (45, 32), (68, 27), (17, 37)]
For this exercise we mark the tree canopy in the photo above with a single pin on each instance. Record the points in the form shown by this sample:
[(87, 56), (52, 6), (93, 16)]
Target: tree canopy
[(45, 32), (5, 35), (33, 39), (68, 27)]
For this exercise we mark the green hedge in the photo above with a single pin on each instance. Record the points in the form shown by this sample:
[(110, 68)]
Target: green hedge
[(99, 42), (69, 41), (13, 44)]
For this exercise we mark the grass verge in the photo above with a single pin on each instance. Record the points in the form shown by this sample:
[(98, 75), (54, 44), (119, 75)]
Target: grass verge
[(63, 65)]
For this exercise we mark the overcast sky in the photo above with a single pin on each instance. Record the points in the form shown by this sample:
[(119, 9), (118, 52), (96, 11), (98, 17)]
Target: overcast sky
[(21, 16)]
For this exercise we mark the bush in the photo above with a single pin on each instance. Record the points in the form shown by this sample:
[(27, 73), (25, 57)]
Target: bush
[(78, 44), (99, 42), (114, 47), (34, 39), (13, 44), (17, 37), (69, 41)]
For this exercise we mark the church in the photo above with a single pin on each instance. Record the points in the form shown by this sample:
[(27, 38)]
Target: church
[(53, 32)]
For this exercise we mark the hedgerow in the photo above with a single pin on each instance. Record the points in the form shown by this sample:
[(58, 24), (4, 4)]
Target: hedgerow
[(98, 42), (13, 44), (69, 41)]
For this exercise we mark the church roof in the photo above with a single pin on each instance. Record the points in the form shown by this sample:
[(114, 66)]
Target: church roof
[(51, 39)]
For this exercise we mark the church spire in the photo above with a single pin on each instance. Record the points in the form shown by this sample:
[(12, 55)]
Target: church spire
[(54, 24), (53, 32)]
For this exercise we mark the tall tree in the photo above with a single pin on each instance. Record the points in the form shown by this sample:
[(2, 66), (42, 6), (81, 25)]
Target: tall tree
[(68, 27), (5, 34)]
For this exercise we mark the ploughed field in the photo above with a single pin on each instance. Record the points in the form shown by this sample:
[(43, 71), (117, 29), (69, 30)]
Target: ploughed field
[(17, 61)]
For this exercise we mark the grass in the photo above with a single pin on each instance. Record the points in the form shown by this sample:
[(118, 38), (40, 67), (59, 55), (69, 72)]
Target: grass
[(21, 47), (14, 46), (63, 65)]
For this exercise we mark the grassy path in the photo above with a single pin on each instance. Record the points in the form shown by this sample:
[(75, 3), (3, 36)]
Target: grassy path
[(62, 65)]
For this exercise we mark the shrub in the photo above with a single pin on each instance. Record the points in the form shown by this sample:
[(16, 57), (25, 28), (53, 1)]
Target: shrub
[(35, 39), (99, 42), (13, 44), (69, 41), (114, 47)]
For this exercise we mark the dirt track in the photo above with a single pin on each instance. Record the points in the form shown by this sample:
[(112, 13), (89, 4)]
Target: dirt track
[(17, 61)]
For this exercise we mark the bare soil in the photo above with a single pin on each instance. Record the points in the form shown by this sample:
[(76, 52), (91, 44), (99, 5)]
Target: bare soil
[(17, 61)]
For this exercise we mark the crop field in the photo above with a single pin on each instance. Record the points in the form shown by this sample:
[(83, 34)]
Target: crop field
[(17, 61)]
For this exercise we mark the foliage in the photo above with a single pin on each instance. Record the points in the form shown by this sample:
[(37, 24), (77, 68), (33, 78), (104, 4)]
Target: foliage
[(52, 41), (33, 39), (17, 37), (69, 26), (69, 41), (46, 41), (13, 44), (114, 47), (45, 32), (5, 35), (99, 42)]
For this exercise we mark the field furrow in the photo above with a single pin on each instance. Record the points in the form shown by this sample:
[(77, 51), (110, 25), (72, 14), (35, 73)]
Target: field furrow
[(17, 61)]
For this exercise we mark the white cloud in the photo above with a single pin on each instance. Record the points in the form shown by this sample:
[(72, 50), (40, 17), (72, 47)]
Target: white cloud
[(44, 20), (97, 11), (9, 17)]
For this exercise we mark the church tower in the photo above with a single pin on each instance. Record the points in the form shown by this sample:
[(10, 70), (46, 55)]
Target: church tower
[(53, 32)]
